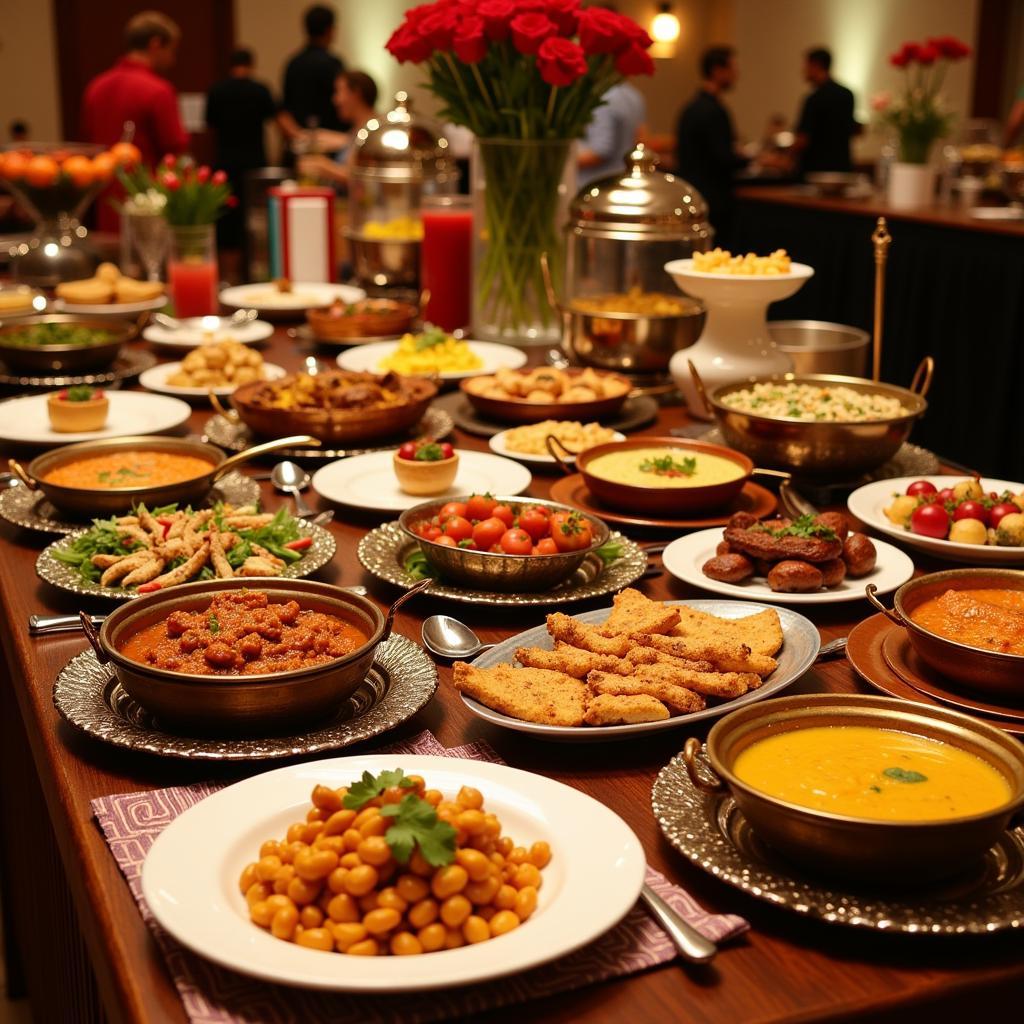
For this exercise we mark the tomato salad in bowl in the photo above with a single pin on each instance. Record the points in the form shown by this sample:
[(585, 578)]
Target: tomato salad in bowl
[(503, 543)]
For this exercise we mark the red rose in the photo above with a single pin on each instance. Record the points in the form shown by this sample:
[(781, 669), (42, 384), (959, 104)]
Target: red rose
[(530, 30), (602, 31), (171, 182), (565, 14), (406, 45), (497, 15), (561, 61), (950, 47), (203, 175), (231, 202), (218, 178), (169, 160), (927, 54), (437, 29), (634, 60), (470, 41), (907, 54)]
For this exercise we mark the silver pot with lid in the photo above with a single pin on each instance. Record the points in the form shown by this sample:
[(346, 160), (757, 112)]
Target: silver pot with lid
[(621, 311)]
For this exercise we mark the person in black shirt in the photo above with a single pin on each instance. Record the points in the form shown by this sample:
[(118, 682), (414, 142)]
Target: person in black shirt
[(309, 80), (706, 154), (826, 122), (236, 109)]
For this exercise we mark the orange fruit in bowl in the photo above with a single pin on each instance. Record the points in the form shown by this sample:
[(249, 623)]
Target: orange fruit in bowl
[(41, 171), (125, 154), (80, 170), (103, 165), (14, 165)]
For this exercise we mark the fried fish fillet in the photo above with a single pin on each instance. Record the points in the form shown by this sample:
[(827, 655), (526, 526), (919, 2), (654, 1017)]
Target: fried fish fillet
[(762, 632), (608, 709), (649, 656), (588, 638), (726, 655), (678, 698), (632, 612), (571, 660), (529, 694), (711, 684)]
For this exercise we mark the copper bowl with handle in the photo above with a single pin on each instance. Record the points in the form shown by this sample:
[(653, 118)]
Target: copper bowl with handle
[(67, 359), (118, 500), (257, 704), (996, 673), (889, 852)]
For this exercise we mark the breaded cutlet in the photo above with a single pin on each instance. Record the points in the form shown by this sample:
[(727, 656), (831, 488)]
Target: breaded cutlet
[(649, 656), (588, 638), (725, 654), (762, 632), (529, 694), (607, 709), (712, 684), (677, 698), (632, 612), (571, 660)]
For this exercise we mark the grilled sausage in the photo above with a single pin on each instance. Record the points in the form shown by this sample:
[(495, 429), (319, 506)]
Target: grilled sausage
[(859, 554), (833, 572), (836, 522), (794, 577), (731, 568), (761, 544), (742, 520)]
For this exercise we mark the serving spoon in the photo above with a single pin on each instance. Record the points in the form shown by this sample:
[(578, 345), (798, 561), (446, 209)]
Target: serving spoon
[(448, 638), (292, 479), (239, 317)]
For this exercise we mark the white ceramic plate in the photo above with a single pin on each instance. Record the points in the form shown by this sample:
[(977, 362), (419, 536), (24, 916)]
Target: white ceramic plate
[(369, 481), (25, 420), (194, 334), (801, 643), (110, 308), (499, 446), (684, 557), (155, 379), (593, 880), (996, 213), (867, 504), (304, 295), (494, 357)]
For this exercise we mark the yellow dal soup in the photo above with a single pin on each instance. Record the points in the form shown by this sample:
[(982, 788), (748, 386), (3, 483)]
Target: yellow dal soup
[(864, 772), (664, 467)]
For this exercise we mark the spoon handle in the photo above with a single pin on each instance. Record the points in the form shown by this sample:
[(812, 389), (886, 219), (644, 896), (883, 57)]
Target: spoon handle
[(691, 944), (302, 510)]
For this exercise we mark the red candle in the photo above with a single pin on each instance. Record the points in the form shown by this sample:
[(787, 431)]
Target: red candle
[(446, 258), (193, 287)]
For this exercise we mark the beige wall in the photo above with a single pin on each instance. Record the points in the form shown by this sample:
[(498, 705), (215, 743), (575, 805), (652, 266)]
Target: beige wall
[(28, 69)]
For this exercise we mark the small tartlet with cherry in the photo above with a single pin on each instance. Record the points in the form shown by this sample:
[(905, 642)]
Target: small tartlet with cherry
[(77, 409), (426, 467), (963, 513)]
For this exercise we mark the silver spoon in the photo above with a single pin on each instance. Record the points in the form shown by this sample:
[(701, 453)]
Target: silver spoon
[(239, 317), (292, 479), (448, 638), (688, 941)]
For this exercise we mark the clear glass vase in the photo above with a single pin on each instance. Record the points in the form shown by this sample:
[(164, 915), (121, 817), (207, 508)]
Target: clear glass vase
[(192, 269), (521, 193)]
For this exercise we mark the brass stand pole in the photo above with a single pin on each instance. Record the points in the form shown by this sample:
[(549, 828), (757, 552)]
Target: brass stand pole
[(882, 240)]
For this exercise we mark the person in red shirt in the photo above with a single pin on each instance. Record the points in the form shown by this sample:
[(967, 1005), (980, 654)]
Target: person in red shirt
[(135, 90)]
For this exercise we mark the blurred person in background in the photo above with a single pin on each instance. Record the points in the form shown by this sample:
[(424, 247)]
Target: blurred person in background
[(135, 90), (826, 123), (611, 134), (309, 78), (237, 108), (706, 153), (355, 98)]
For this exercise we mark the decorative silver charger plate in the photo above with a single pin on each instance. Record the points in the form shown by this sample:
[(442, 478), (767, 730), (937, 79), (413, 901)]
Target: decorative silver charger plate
[(711, 832), (383, 551), (66, 577), (400, 682), (32, 510), (236, 437), (130, 363)]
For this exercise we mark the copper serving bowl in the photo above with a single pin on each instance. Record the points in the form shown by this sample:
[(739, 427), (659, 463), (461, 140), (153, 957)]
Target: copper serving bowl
[(337, 426), (817, 449), (65, 358), (885, 851), (488, 570), (118, 500), (518, 410), (251, 704), (362, 324), (995, 673), (661, 500)]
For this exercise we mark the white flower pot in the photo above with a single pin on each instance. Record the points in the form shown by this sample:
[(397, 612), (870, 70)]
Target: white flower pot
[(911, 185)]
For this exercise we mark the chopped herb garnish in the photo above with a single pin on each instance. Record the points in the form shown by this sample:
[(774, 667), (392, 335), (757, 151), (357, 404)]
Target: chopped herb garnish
[(430, 337), (904, 775), (416, 824), (803, 526), (430, 452), (79, 393), (666, 465), (369, 787), (213, 624)]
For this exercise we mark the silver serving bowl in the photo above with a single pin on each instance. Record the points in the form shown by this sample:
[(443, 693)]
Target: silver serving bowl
[(65, 358), (489, 571), (816, 346), (385, 262)]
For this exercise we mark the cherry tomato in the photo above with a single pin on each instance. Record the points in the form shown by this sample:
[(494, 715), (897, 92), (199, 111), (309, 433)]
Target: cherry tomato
[(516, 542), (453, 508), (534, 522), (408, 450), (504, 513), (447, 451), (446, 541), (930, 521), (571, 531), (996, 512), (488, 532), (946, 494), (546, 546), (970, 510), (458, 528), (430, 532), (480, 506), (921, 487)]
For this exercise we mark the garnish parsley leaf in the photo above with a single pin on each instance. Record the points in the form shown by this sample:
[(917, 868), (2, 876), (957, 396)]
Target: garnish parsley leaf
[(369, 787), (417, 825), (213, 624), (904, 775)]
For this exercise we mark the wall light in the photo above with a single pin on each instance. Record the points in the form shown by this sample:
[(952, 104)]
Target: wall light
[(665, 32)]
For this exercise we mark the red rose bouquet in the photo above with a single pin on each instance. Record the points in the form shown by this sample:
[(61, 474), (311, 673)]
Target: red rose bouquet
[(525, 77), (919, 115)]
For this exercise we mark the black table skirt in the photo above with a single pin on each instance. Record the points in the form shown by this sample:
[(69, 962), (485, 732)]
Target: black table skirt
[(957, 295)]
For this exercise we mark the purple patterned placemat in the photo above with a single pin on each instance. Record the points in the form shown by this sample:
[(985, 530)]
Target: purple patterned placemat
[(214, 995)]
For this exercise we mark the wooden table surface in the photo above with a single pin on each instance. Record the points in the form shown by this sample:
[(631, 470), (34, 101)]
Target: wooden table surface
[(785, 968)]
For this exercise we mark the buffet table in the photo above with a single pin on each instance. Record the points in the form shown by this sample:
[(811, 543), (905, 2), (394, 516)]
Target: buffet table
[(76, 942), (952, 292)]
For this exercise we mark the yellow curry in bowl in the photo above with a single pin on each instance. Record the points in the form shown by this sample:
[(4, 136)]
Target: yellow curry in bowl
[(872, 773), (664, 467)]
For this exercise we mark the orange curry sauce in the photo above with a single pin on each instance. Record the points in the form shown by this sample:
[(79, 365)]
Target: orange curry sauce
[(128, 469), (990, 619)]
